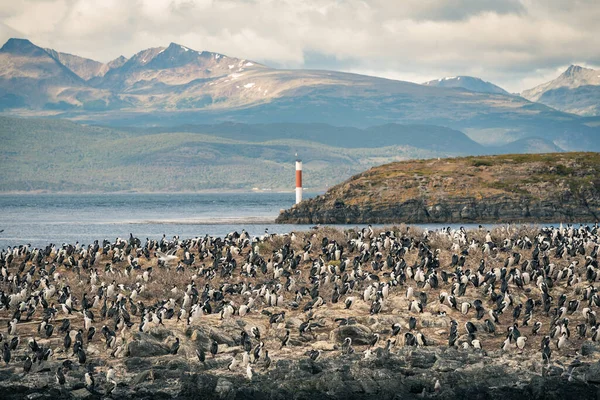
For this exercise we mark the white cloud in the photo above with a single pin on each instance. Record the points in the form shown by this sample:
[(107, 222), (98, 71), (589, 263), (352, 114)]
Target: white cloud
[(513, 43)]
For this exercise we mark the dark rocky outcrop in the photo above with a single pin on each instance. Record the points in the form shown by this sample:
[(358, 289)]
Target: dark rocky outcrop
[(359, 334), (409, 374), (146, 346), (512, 188)]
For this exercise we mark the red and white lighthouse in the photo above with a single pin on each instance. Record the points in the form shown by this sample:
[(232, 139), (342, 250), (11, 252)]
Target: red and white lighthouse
[(298, 180)]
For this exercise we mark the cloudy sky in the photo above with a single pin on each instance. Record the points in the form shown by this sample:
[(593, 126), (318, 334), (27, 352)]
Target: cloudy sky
[(514, 43)]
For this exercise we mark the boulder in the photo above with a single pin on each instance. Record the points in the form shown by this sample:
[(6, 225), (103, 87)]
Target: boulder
[(421, 358), (204, 335), (223, 387), (293, 323), (360, 334), (146, 347), (143, 376), (137, 364), (81, 394), (160, 333), (593, 374), (589, 348), (434, 321)]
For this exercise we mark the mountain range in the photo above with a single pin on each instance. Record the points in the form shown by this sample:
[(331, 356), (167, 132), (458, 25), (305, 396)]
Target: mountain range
[(176, 86), (85, 68)]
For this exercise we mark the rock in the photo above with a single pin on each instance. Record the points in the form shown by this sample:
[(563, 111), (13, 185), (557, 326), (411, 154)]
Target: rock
[(81, 394), (434, 322), (142, 377), (593, 374), (147, 348), (421, 358), (589, 348), (93, 350), (136, 364), (293, 323), (310, 366), (296, 341), (204, 335), (554, 371), (178, 364), (222, 337), (203, 383), (324, 345), (223, 387), (197, 334), (160, 333), (360, 334)]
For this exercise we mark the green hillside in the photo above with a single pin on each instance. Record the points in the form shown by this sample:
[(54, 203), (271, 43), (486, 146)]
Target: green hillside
[(56, 155)]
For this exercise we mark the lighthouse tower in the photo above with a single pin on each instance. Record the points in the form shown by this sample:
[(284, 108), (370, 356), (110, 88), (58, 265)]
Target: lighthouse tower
[(298, 180)]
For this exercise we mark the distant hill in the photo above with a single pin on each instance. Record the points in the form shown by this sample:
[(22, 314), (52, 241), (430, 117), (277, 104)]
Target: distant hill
[(176, 85), (468, 83), (577, 90), (509, 188), (58, 155), (62, 156), (527, 145), (429, 137)]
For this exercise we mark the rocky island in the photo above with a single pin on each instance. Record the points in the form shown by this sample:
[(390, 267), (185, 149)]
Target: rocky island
[(325, 314), (487, 189)]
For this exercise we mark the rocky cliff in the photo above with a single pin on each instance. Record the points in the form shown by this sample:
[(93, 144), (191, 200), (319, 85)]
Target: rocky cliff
[(509, 188)]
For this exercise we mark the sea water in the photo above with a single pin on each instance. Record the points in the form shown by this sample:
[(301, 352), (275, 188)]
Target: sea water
[(40, 219)]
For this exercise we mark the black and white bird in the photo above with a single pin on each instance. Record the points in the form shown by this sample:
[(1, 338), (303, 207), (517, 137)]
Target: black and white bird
[(214, 348), (60, 376), (174, 347), (314, 354)]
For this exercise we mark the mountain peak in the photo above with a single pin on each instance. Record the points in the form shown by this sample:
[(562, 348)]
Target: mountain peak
[(22, 47), (178, 47), (466, 82), (117, 62), (17, 42), (145, 56), (573, 69), (575, 91)]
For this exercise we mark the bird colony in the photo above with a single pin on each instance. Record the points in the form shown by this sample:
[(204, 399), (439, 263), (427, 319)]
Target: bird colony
[(73, 314)]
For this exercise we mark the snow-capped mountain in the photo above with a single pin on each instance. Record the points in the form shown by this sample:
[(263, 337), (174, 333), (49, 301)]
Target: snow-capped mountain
[(577, 90), (177, 85), (467, 82)]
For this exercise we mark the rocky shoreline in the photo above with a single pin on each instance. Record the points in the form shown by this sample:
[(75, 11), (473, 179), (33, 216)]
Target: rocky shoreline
[(410, 373), (455, 210)]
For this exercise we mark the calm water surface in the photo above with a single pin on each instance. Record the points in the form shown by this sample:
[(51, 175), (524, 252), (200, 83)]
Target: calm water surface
[(40, 219)]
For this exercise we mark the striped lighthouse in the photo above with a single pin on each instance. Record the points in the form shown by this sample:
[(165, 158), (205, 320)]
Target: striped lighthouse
[(298, 180)]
